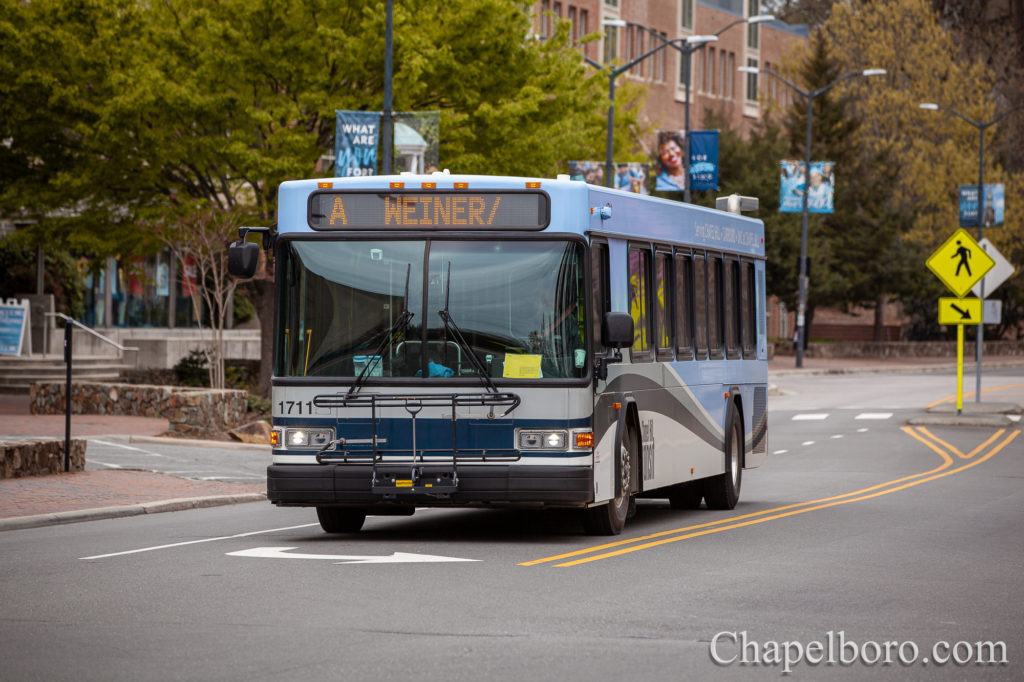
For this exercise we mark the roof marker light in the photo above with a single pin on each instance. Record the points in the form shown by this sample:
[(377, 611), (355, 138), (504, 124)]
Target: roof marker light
[(429, 185), (533, 185), (325, 185), (460, 185), (397, 185)]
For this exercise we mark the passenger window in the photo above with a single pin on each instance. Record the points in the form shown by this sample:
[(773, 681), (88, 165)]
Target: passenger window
[(640, 301), (662, 301), (684, 307), (749, 317), (600, 302), (715, 330), (700, 306), (731, 308)]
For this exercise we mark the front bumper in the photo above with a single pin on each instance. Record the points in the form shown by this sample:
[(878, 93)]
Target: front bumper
[(350, 484)]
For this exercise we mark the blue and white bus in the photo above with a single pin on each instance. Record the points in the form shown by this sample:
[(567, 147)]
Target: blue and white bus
[(463, 340)]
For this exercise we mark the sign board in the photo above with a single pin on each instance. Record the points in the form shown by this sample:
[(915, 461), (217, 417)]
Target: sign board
[(993, 311), (959, 311), (13, 325), (994, 210), (1000, 272), (960, 262)]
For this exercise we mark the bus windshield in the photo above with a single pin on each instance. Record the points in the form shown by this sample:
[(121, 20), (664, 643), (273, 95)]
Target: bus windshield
[(343, 309)]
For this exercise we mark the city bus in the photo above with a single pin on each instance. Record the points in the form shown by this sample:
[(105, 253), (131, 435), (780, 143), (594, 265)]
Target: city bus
[(450, 340)]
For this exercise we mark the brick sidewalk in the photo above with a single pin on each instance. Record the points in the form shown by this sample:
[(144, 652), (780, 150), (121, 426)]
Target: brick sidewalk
[(83, 490)]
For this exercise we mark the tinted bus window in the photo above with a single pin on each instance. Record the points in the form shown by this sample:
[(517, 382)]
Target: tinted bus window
[(599, 288), (731, 308), (640, 301), (700, 306), (662, 301), (684, 307), (715, 331), (748, 310)]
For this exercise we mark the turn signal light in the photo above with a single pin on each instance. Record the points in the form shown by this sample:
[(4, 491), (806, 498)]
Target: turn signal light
[(585, 440), (275, 437)]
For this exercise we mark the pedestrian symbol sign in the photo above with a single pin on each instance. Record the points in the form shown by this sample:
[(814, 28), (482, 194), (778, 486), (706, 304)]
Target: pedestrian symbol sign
[(960, 262), (960, 311)]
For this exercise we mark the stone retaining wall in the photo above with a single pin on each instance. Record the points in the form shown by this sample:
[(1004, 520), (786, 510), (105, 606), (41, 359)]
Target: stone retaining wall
[(38, 456), (192, 412)]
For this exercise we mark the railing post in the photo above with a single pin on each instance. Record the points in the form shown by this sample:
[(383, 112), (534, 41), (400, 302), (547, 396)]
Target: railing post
[(67, 395)]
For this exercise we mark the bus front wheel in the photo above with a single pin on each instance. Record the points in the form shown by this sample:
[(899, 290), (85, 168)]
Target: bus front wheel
[(341, 519), (610, 518), (723, 491)]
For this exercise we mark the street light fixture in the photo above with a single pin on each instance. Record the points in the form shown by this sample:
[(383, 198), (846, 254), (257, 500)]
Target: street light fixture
[(689, 46), (803, 279), (930, 106)]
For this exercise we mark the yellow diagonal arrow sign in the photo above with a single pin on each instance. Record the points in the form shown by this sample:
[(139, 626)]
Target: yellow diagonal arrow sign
[(960, 311)]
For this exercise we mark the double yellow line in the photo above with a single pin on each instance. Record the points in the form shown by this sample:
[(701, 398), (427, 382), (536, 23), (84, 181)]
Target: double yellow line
[(999, 440)]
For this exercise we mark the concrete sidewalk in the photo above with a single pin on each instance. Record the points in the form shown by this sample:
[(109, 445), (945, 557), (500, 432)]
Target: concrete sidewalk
[(81, 496)]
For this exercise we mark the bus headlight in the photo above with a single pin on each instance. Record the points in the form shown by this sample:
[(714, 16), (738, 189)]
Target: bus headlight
[(314, 438), (537, 439)]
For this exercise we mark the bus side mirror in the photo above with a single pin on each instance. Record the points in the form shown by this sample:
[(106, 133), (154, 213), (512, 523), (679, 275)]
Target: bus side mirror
[(616, 333), (243, 256), (617, 330), (242, 259)]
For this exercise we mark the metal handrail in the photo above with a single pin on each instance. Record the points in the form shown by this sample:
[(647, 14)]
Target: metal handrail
[(95, 333)]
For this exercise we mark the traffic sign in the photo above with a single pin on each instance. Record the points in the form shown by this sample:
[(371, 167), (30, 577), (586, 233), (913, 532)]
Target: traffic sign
[(999, 273), (959, 311), (960, 262)]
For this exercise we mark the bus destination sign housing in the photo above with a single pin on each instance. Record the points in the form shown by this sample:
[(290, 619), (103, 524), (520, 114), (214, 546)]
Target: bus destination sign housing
[(429, 210)]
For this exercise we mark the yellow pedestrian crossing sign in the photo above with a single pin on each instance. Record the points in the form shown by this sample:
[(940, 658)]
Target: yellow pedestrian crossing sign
[(960, 262), (960, 311)]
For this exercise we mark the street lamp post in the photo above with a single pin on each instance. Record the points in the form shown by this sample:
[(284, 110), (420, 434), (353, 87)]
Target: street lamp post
[(691, 45), (388, 128), (614, 73), (803, 279), (981, 210)]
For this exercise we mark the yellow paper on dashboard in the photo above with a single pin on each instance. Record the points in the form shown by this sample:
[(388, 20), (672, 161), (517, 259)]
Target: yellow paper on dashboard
[(522, 367)]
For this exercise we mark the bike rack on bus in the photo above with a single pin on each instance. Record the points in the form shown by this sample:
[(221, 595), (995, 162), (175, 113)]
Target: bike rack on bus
[(438, 482)]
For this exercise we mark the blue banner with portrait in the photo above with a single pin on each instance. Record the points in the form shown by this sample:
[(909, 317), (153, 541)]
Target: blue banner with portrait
[(793, 181), (995, 205), (355, 143), (703, 159)]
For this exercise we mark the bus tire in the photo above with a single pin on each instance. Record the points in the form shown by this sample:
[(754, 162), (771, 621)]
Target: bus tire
[(341, 519), (685, 496), (610, 518), (723, 491)]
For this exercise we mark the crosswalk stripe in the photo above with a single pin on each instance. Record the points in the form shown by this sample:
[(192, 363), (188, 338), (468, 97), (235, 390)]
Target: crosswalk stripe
[(874, 415)]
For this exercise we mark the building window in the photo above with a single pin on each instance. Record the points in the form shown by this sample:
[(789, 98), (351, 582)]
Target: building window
[(545, 18), (712, 88), (558, 10), (686, 14), (659, 61), (752, 80), (611, 3), (731, 71), (611, 43), (752, 35), (722, 76), (574, 27)]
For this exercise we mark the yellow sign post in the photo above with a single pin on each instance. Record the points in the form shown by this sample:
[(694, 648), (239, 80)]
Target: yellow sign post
[(960, 263)]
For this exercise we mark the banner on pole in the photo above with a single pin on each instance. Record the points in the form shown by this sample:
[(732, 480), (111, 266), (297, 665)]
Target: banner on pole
[(995, 205), (355, 143), (13, 325), (792, 183), (703, 159)]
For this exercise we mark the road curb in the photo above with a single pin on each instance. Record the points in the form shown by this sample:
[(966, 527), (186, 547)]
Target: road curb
[(902, 369), (219, 444), (996, 420), (77, 516)]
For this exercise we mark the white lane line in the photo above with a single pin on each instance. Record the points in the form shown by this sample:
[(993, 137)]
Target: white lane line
[(810, 416), (196, 542), (874, 415), (838, 435), (807, 442), (105, 464), (780, 452), (864, 430), (127, 447), (1014, 417)]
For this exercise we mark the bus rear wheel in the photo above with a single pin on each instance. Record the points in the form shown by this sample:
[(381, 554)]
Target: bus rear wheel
[(610, 518), (341, 519), (723, 491)]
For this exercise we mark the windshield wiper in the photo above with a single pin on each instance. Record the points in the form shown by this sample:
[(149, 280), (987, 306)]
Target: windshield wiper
[(393, 335), (456, 333)]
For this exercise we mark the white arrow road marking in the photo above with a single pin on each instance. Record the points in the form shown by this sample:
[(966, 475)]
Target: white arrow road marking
[(396, 558)]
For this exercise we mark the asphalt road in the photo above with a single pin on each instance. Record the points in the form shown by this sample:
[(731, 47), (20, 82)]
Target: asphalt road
[(904, 543)]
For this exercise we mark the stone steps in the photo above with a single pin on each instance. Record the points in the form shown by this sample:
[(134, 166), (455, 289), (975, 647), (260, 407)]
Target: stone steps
[(18, 373)]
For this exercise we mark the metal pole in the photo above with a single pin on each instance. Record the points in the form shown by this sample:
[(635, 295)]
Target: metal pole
[(686, 152), (387, 133), (980, 336), (801, 308), (609, 172), (67, 396)]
